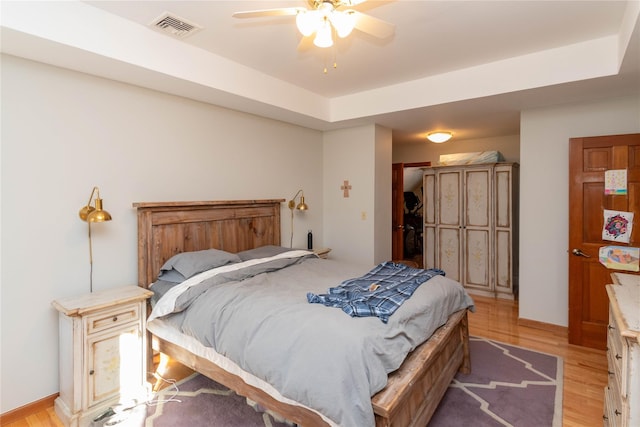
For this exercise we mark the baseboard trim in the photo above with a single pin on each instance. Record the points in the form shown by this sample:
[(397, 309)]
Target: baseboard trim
[(542, 325), (28, 409)]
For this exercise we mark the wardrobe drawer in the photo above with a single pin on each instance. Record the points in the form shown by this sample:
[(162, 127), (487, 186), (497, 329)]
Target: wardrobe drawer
[(107, 319)]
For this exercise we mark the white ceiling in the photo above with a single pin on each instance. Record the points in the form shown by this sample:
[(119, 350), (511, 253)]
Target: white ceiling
[(465, 66)]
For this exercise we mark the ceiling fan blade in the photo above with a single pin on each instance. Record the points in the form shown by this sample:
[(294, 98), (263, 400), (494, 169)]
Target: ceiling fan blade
[(350, 3), (306, 43), (374, 26), (286, 11)]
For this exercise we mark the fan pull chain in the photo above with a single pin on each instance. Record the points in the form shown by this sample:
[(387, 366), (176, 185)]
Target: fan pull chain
[(335, 61)]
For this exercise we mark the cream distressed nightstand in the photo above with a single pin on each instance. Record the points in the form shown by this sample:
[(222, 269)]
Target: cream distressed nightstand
[(102, 352)]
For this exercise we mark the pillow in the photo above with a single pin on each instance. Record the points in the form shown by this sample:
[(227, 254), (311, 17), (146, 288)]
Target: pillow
[(262, 252), (159, 288), (184, 265)]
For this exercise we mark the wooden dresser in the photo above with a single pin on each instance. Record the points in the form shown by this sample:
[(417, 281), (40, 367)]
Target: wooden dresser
[(622, 393), (102, 352)]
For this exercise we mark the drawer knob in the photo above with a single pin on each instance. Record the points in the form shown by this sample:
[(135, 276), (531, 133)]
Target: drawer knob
[(604, 417), (115, 318), (617, 412), (91, 372), (610, 327), (618, 357), (610, 373)]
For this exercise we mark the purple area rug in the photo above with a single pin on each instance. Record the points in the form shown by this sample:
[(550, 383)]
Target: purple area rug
[(508, 386), (200, 401)]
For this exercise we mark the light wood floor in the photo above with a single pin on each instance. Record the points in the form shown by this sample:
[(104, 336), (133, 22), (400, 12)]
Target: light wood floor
[(585, 370)]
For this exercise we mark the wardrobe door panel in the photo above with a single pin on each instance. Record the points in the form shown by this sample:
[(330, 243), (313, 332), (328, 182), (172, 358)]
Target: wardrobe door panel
[(478, 198), (477, 259), (503, 262), (448, 197), (449, 256), (429, 215)]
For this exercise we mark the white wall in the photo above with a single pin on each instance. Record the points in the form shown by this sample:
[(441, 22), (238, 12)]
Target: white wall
[(383, 195), (544, 196), (64, 132), (361, 156), (508, 146)]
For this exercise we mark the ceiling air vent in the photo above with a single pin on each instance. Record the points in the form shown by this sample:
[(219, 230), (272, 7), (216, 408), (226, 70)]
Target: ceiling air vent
[(174, 25)]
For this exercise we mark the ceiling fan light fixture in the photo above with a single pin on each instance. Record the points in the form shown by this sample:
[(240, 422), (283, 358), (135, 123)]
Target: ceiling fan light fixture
[(439, 137), (308, 22), (323, 35), (343, 22)]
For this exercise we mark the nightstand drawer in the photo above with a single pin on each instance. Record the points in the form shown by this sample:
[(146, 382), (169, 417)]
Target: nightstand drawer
[(113, 318)]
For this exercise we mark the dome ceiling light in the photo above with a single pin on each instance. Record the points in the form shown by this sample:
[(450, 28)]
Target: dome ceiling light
[(439, 137)]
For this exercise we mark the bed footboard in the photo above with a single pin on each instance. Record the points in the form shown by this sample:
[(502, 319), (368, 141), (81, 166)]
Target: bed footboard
[(410, 398), (415, 390), (299, 415)]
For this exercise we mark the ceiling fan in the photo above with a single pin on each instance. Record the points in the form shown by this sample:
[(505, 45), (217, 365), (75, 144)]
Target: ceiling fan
[(324, 17)]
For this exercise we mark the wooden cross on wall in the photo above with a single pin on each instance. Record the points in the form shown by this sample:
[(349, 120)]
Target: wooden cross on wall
[(345, 188)]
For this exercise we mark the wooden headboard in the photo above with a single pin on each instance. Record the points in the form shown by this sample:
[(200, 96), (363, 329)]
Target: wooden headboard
[(168, 228)]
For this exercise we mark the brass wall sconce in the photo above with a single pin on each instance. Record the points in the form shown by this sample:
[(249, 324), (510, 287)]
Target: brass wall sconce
[(91, 214), (302, 206)]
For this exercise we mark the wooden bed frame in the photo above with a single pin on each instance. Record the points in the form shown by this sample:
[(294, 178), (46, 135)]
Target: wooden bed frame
[(413, 391)]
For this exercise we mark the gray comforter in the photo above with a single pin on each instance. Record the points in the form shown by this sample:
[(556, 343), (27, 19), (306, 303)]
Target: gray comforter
[(316, 355)]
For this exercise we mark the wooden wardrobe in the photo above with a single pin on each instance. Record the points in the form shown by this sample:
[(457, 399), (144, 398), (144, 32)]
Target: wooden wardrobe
[(471, 226)]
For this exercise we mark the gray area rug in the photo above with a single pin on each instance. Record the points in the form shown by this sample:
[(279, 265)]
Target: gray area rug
[(508, 386)]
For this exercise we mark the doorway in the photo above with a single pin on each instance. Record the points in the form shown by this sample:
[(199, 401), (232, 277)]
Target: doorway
[(407, 220), (589, 159)]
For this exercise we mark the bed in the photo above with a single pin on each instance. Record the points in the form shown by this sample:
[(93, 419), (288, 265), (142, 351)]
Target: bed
[(412, 392)]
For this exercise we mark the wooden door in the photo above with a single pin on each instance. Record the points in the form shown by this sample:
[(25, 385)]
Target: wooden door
[(589, 158), (397, 211)]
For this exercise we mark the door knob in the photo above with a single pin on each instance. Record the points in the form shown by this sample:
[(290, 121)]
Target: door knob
[(578, 252)]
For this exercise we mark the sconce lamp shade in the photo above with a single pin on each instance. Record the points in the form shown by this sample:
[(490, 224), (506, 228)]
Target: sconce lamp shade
[(99, 214), (85, 211), (90, 213), (302, 206), (439, 137)]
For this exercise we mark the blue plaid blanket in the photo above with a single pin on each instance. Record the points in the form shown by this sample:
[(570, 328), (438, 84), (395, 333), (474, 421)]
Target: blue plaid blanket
[(380, 292)]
